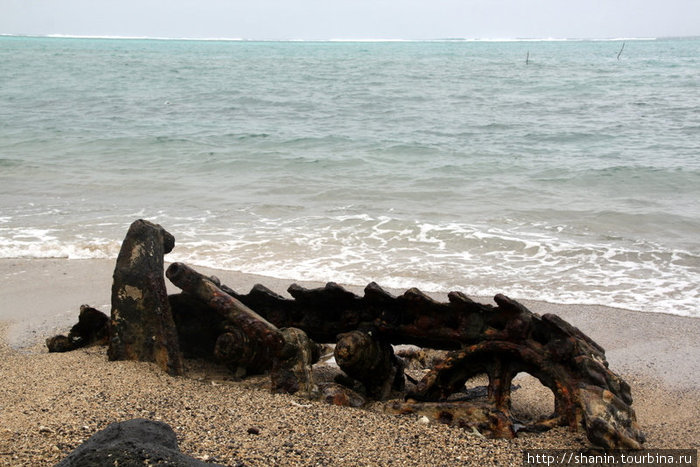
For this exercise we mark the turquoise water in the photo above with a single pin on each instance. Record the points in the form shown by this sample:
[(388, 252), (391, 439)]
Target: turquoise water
[(574, 178)]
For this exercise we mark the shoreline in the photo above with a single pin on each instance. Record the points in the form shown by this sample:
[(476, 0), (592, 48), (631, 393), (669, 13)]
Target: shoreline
[(633, 340), (53, 402)]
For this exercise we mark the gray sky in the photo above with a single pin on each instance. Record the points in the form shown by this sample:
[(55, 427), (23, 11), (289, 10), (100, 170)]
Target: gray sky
[(353, 19)]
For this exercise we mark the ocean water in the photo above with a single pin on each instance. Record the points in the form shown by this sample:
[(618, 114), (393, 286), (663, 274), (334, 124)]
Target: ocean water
[(446, 165)]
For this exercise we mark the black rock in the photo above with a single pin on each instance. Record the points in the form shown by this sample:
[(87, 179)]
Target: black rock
[(134, 442), (92, 329), (60, 343)]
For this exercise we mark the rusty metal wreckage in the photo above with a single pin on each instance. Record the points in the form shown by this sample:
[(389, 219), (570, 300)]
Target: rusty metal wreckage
[(263, 331)]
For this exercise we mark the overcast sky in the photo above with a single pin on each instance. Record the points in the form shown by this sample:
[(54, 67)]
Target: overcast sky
[(353, 19)]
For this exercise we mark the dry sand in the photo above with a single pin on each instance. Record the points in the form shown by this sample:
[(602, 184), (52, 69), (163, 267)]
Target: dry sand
[(50, 403)]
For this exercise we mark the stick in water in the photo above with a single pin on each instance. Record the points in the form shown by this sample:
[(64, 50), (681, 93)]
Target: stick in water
[(620, 52)]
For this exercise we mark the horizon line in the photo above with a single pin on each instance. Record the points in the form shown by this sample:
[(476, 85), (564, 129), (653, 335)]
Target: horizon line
[(348, 40)]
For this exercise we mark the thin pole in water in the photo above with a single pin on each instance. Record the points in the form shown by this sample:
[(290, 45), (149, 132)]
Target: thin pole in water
[(620, 52)]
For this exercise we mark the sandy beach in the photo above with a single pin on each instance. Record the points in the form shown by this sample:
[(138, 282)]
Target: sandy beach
[(51, 403)]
